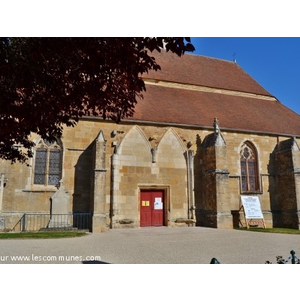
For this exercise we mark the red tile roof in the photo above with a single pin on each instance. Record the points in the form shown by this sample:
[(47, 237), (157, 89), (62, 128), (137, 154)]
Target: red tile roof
[(172, 105), (204, 71)]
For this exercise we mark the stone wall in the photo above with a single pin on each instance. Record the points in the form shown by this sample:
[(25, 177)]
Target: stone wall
[(138, 168), (106, 165), (286, 205)]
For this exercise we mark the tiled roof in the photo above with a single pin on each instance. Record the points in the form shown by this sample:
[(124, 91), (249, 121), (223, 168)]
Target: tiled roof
[(236, 111), (178, 106), (204, 71)]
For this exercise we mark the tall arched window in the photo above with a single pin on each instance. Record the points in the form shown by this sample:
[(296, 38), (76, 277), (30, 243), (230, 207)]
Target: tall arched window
[(48, 162), (249, 169)]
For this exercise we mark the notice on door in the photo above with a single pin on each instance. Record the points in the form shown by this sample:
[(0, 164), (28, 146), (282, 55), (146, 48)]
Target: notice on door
[(158, 203), (252, 207)]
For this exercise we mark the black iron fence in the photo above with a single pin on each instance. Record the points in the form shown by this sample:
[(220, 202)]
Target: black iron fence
[(73, 221)]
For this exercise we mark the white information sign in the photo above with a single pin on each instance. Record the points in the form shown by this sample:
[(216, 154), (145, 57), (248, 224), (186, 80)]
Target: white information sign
[(252, 207), (158, 203)]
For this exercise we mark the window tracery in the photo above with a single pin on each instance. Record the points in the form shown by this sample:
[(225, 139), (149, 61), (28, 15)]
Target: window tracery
[(249, 169), (48, 163)]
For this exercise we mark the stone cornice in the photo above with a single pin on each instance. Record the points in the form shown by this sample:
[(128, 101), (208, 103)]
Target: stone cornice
[(206, 89)]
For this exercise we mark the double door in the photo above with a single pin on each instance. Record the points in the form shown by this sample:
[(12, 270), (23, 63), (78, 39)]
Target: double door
[(152, 208)]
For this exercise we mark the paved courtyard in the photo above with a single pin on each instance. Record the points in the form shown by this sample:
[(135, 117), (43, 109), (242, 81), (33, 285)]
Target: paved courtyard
[(156, 245)]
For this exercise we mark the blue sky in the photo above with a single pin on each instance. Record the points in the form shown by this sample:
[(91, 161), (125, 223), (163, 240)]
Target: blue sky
[(274, 62)]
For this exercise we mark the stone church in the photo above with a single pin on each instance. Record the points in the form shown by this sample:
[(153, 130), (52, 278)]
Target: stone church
[(205, 134)]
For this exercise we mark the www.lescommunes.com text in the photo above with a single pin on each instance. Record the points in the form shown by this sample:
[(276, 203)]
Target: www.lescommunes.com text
[(47, 258)]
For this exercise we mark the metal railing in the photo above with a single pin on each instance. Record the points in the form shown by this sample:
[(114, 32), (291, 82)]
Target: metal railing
[(73, 221)]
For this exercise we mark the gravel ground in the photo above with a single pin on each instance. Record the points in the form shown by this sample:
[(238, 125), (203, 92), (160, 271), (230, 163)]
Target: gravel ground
[(156, 245)]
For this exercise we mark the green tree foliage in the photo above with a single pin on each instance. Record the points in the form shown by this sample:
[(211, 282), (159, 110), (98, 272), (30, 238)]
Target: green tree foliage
[(47, 83)]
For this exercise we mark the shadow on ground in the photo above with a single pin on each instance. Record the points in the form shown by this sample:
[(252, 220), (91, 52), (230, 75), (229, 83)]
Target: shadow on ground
[(94, 262)]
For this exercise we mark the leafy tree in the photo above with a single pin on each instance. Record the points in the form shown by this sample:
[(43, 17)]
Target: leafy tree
[(46, 83)]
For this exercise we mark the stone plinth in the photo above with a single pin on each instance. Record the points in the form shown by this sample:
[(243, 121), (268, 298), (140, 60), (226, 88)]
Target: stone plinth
[(60, 215)]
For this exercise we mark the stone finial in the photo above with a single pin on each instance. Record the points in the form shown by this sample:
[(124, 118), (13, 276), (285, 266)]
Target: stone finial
[(218, 138), (100, 137), (216, 126)]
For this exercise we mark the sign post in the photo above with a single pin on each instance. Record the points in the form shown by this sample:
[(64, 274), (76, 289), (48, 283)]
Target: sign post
[(252, 210)]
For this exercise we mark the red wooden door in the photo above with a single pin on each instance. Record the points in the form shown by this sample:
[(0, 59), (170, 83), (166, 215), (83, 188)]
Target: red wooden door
[(152, 208), (145, 208)]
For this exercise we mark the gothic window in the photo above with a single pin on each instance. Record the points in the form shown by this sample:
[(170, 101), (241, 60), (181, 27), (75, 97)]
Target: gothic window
[(249, 170), (47, 164)]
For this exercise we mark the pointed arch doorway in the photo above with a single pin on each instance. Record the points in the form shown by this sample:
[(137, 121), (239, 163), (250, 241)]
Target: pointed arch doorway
[(152, 207)]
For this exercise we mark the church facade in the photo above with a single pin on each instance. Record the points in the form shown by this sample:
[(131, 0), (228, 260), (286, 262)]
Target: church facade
[(204, 135)]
